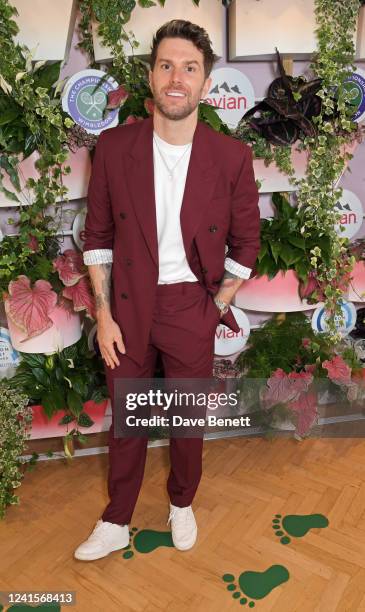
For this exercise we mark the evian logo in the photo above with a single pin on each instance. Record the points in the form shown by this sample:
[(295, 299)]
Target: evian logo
[(224, 332), (231, 94), (228, 342), (351, 211), (223, 99)]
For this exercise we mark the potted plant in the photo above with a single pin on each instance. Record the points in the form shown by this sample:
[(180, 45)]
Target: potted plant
[(43, 312), (287, 366), (67, 388)]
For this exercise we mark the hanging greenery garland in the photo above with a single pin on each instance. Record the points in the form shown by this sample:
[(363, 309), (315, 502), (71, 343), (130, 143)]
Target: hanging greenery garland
[(25, 98), (317, 193)]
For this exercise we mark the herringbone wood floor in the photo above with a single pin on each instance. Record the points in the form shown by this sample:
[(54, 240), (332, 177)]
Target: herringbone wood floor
[(245, 482)]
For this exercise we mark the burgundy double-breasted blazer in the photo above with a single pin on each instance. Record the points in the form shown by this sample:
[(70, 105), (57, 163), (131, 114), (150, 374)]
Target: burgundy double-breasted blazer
[(220, 206)]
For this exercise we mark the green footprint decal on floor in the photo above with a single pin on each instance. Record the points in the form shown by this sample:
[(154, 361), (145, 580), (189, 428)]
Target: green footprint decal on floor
[(147, 540), (297, 525), (256, 585)]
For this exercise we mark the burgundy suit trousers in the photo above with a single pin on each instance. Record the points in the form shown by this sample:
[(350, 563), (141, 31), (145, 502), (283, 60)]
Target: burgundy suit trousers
[(183, 329)]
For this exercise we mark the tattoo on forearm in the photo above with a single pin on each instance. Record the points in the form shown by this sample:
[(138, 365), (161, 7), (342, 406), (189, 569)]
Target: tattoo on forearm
[(102, 297)]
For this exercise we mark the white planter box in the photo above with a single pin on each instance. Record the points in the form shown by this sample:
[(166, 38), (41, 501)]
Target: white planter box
[(145, 21), (76, 182), (48, 24), (257, 27), (272, 179)]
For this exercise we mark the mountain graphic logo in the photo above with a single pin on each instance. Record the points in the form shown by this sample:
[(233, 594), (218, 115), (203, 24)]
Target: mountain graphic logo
[(343, 206), (226, 88)]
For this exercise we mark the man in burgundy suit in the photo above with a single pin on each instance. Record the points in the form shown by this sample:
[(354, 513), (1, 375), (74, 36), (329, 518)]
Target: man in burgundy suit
[(172, 230)]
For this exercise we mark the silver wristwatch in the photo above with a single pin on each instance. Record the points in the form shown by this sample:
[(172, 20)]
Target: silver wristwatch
[(222, 306)]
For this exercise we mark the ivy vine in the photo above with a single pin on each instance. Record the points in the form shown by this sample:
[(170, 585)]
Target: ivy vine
[(44, 120), (318, 193)]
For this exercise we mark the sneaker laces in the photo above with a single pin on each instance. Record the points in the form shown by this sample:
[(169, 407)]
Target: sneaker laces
[(178, 513), (99, 531)]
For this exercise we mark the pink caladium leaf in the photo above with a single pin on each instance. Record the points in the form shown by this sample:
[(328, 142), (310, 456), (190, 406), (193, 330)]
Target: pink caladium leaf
[(283, 388), (278, 389), (70, 267), (338, 370), (305, 408), (116, 98), (28, 307), (81, 296)]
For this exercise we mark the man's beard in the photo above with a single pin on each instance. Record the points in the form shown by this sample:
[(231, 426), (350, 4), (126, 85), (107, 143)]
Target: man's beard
[(179, 112)]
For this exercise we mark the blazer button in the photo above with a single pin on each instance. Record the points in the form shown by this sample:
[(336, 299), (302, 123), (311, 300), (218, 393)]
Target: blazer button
[(123, 215), (124, 296), (204, 270), (128, 262), (213, 228)]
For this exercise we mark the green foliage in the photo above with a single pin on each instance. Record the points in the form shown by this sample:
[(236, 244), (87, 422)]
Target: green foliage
[(62, 381), (283, 246), (317, 192), (278, 343), (209, 115), (15, 423), (31, 120)]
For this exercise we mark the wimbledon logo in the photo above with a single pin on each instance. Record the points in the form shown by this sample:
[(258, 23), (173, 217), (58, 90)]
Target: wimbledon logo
[(355, 85), (85, 104)]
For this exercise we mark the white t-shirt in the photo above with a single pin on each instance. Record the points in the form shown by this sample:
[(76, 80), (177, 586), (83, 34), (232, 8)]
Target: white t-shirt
[(173, 265)]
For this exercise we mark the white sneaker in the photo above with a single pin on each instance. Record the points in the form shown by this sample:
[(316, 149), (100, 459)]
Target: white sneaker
[(183, 527), (104, 539)]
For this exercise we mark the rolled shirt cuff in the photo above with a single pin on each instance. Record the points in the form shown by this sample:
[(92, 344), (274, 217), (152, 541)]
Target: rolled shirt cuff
[(235, 268), (98, 256)]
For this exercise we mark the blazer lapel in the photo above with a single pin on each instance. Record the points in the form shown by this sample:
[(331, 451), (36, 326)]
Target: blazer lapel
[(141, 185)]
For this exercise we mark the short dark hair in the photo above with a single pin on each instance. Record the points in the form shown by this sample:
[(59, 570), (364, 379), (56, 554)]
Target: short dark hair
[(178, 28)]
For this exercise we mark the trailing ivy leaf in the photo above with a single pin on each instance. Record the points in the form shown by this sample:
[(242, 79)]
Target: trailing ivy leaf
[(84, 420), (74, 402), (66, 419), (146, 3)]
